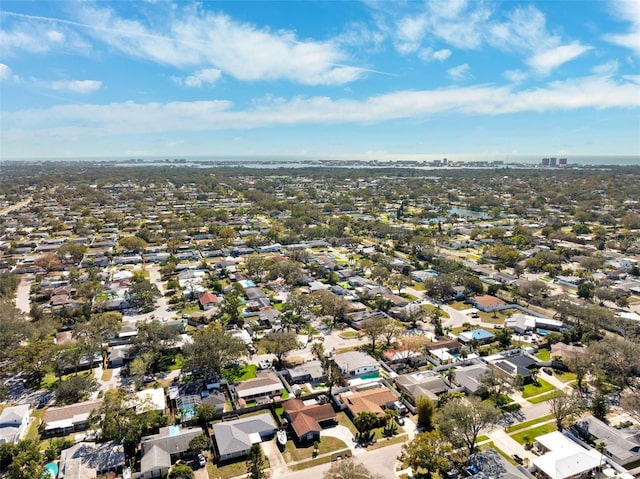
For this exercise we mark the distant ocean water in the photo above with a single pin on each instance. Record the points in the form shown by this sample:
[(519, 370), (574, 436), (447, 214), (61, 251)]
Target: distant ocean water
[(275, 161)]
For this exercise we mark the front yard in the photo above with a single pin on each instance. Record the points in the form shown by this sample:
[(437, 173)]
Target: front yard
[(296, 453), (534, 389)]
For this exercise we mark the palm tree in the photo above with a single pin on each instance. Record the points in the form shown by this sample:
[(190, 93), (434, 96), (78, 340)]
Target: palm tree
[(601, 447)]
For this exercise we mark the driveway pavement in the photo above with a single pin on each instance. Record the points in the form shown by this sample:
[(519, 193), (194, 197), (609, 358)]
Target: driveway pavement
[(22, 295), (276, 461)]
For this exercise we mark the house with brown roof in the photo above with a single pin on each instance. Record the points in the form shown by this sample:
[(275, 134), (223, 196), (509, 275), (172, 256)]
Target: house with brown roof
[(486, 302), (264, 387), (374, 400), (59, 421), (307, 420), (208, 301)]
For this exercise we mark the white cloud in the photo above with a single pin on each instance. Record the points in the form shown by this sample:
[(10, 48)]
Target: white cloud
[(31, 34), (608, 68), (627, 40), (208, 76), (460, 72), (428, 54), (244, 51), (5, 72), (515, 76), (77, 86), (627, 11), (128, 118), (546, 61)]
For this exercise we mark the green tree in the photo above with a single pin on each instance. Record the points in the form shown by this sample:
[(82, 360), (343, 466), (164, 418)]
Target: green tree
[(211, 349), (374, 328), (181, 471), (365, 421), (205, 414), (256, 463), (462, 419), (425, 408), (280, 343), (142, 295), (349, 469), (75, 388), (399, 281), (599, 406), (564, 407), (427, 453), (200, 443), (26, 461)]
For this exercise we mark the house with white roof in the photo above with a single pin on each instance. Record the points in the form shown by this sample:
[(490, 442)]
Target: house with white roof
[(14, 422), (564, 458), (356, 363)]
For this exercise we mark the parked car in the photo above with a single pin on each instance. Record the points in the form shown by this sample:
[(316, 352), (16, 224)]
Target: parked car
[(264, 364), (548, 371), (202, 461)]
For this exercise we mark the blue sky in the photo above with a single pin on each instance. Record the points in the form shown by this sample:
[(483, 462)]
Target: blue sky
[(334, 79)]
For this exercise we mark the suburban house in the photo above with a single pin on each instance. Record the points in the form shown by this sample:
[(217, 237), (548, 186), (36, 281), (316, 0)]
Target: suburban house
[(489, 463), (517, 365), (149, 400), (265, 386), (486, 302), (422, 383), (14, 422), (374, 400), (60, 421), (89, 459), (622, 445), (208, 301), (234, 438), (356, 364), (470, 377), (159, 450), (521, 323), (309, 372), (564, 458), (307, 420), (479, 335)]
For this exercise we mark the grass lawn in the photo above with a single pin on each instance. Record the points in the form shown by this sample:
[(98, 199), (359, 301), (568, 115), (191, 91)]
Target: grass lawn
[(459, 305), (532, 422), (240, 373), (387, 441), (418, 286), (565, 376), (546, 278), (37, 415), (191, 308), (482, 438), (534, 432), (544, 397), (429, 309), (534, 389), (344, 420), (543, 354), (226, 471), (293, 453), (349, 335), (49, 381), (489, 317), (106, 374), (491, 445)]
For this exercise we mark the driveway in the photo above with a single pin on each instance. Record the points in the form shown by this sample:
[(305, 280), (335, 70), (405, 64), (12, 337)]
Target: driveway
[(276, 461), (342, 433), (22, 295)]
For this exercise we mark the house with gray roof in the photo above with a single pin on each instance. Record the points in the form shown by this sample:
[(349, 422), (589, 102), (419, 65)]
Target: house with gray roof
[(356, 363), (265, 385), (422, 383), (234, 438), (88, 460), (14, 422), (621, 445), (155, 463), (174, 440), (309, 372), (470, 377)]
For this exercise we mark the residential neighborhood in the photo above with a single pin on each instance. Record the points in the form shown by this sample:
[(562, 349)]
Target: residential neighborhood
[(157, 319)]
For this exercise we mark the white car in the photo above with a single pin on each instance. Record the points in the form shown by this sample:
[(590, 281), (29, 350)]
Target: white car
[(202, 461), (264, 364)]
